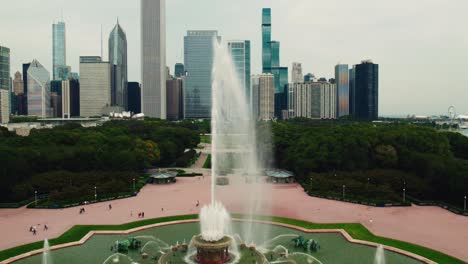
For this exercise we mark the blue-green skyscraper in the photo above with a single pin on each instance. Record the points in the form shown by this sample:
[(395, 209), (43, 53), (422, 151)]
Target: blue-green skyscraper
[(198, 61), (266, 38), (59, 52), (240, 53), (272, 64)]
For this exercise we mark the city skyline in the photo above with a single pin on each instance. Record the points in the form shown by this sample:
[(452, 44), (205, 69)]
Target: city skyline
[(409, 44)]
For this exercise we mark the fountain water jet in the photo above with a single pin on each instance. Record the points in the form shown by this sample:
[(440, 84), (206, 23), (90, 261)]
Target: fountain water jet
[(46, 258), (379, 255)]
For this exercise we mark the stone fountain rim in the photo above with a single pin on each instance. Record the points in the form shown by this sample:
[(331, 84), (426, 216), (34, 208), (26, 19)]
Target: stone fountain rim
[(190, 221)]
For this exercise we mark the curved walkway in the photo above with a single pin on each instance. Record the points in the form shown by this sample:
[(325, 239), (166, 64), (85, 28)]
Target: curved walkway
[(432, 227)]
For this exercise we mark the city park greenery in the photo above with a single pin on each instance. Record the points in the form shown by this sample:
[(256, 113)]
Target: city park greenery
[(67, 162), (374, 161)]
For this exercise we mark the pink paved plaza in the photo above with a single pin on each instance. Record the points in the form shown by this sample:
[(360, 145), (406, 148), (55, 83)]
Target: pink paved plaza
[(432, 227)]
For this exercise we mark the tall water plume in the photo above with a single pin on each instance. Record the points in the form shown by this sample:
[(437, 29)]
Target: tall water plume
[(379, 255), (236, 153), (46, 258)]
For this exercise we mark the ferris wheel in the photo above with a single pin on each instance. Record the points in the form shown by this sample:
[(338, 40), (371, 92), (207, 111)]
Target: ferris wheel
[(452, 114)]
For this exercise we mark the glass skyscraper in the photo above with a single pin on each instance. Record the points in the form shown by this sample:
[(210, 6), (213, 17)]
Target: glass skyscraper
[(198, 61), (4, 68), (179, 70), (352, 91), (118, 64), (59, 51), (266, 38), (367, 91), (38, 79), (240, 53), (342, 85)]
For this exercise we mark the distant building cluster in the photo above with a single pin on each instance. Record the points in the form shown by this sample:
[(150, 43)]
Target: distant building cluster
[(102, 88)]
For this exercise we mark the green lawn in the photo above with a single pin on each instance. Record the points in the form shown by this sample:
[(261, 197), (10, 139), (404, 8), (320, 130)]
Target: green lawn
[(205, 139), (357, 231)]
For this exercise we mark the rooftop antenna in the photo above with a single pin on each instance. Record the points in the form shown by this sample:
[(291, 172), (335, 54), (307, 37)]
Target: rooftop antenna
[(101, 44)]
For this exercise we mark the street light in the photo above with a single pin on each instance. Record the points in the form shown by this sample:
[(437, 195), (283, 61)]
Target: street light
[(95, 193), (404, 195), (35, 197), (133, 185), (464, 205), (344, 191)]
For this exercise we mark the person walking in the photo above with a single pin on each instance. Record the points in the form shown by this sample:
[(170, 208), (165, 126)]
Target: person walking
[(46, 227)]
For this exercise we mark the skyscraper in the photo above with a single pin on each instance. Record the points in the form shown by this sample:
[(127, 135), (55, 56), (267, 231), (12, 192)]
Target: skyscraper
[(38, 94), (118, 64), (266, 38), (296, 73), (352, 91), (312, 100), (342, 85), (175, 99), (95, 86), (153, 54), (4, 68), (59, 52), (198, 61), (134, 97), (74, 97), (18, 87), (4, 85), (266, 97), (179, 70), (240, 53), (367, 90)]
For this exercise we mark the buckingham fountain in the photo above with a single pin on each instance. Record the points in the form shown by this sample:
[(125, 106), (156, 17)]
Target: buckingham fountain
[(240, 156)]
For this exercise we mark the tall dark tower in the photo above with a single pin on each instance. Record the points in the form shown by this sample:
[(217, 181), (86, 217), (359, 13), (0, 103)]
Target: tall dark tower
[(367, 91)]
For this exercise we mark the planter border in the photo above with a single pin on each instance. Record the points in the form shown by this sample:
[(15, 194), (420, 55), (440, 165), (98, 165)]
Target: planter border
[(276, 223)]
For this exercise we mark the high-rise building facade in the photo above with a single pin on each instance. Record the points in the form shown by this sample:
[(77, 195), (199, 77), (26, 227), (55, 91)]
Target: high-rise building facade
[(198, 61), (296, 73), (312, 100), (134, 97), (74, 97), (18, 87), (266, 38), (352, 91), (240, 53), (95, 86), (66, 109), (118, 64), (254, 95), (4, 106), (175, 99), (153, 57), (263, 96), (5, 85), (342, 86), (59, 52), (366, 81), (4, 68), (38, 93), (179, 70)]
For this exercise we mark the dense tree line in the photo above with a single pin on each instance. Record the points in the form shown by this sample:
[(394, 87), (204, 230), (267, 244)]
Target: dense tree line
[(374, 160), (128, 147)]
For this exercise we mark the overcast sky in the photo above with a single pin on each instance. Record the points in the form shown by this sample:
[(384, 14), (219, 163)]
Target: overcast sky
[(421, 45)]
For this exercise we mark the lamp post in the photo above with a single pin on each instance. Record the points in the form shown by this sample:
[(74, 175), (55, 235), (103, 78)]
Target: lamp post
[(344, 191), (133, 185), (35, 198), (95, 193), (404, 195), (464, 204)]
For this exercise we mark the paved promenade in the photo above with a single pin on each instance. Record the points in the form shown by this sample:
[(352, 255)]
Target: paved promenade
[(432, 227)]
